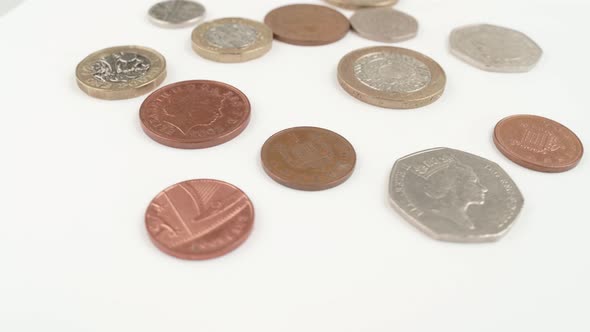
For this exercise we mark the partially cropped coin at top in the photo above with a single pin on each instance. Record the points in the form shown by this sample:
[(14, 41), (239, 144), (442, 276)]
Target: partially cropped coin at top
[(391, 77), (232, 40), (176, 13), (121, 72), (455, 196), (384, 24), (494, 48), (356, 4)]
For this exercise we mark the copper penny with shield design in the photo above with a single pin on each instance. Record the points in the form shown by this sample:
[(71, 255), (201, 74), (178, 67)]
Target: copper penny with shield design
[(538, 143), (199, 219), (195, 114), (308, 158)]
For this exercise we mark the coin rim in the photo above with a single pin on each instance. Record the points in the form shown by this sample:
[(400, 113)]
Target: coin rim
[(383, 38), (342, 4), (184, 24)]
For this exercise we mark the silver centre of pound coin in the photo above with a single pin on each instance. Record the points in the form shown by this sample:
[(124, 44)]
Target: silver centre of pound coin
[(455, 196), (392, 72), (177, 12), (231, 35), (120, 67)]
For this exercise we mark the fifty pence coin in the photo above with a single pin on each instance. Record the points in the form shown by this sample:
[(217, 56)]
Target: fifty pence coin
[(307, 25), (121, 72), (391, 77), (308, 158), (176, 13), (538, 143), (384, 24), (356, 4), (496, 49), (232, 40), (195, 114), (199, 219), (455, 196)]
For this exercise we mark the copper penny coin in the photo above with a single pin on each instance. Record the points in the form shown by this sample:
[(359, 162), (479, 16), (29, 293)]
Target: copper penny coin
[(195, 114), (308, 158), (538, 143), (307, 25), (199, 219)]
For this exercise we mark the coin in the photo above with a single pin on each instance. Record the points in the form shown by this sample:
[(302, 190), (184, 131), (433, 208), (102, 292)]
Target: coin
[(307, 24), (176, 13), (121, 72), (384, 24), (496, 49), (232, 40), (356, 4), (455, 196), (308, 158), (538, 143), (199, 219), (195, 114), (391, 77)]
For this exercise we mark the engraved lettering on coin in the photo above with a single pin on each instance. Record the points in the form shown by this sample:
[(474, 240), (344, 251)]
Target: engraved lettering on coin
[(231, 35), (120, 67), (392, 72)]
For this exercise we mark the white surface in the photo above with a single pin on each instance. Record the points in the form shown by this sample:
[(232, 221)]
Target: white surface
[(78, 173), (7, 5)]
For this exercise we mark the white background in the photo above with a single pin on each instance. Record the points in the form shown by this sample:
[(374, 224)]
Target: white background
[(77, 174)]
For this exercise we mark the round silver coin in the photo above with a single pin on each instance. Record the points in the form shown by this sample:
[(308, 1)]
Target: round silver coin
[(496, 49), (176, 13), (384, 24), (455, 196)]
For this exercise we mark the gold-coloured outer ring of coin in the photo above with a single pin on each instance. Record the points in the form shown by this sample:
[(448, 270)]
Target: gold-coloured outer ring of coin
[(431, 90), (253, 50), (357, 4), (145, 72)]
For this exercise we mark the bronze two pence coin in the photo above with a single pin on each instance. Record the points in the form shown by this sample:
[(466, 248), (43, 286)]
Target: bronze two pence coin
[(308, 158), (538, 143), (307, 25), (195, 114), (199, 219)]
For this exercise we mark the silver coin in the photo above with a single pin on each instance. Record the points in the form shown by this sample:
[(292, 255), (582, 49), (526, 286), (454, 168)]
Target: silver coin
[(455, 196), (384, 24), (494, 48), (176, 13)]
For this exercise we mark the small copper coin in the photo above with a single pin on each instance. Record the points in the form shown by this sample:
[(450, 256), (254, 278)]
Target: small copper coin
[(195, 114), (307, 25), (538, 143), (199, 219), (308, 158)]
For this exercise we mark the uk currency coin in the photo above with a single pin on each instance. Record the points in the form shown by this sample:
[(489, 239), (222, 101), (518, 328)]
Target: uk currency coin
[(357, 4), (391, 77), (232, 40), (308, 158), (538, 143), (199, 219), (455, 196), (176, 13), (494, 48), (121, 72), (384, 24)]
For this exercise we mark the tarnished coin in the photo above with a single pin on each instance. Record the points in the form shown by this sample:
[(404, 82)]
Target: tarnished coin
[(384, 24), (232, 40), (176, 13), (455, 196), (121, 72), (494, 48), (538, 143), (307, 25), (195, 114), (308, 158), (199, 219), (391, 77), (356, 4)]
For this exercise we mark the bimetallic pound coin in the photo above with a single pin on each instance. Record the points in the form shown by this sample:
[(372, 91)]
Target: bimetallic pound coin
[(199, 219), (195, 114), (496, 49), (232, 40), (176, 13), (455, 196), (384, 24), (121, 72), (357, 4), (391, 77), (538, 143), (308, 158), (307, 25)]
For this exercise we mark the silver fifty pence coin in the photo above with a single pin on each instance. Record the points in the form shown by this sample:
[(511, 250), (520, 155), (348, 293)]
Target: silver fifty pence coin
[(455, 196), (176, 13), (384, 24)]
